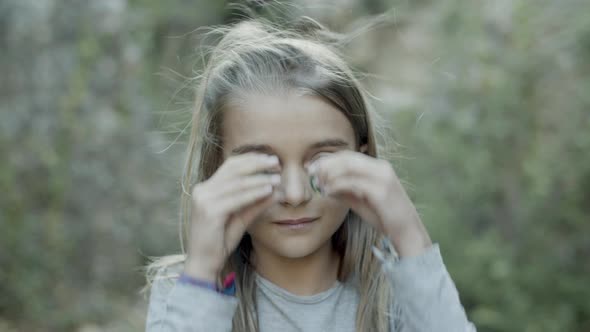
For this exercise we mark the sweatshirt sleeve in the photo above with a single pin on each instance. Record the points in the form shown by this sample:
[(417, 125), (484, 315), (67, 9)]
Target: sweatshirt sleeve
[(180, 307), (425, 297)]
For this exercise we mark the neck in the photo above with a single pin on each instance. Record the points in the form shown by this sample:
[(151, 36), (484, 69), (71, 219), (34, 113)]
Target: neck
[(301, 276)]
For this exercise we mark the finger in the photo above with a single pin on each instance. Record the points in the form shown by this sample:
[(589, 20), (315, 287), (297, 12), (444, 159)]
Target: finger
[(357, 194), (343, 163), (241, 220), (245, 183), (349, 188), (246, 164), (238, 200)]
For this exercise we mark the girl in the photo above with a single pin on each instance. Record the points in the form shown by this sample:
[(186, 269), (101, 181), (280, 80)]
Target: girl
[(291, 204)]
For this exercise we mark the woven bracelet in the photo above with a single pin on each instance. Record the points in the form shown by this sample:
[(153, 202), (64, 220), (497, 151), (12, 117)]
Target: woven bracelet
[(228, 283)]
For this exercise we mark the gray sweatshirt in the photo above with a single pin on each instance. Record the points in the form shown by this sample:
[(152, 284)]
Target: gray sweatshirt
[(425, 300)]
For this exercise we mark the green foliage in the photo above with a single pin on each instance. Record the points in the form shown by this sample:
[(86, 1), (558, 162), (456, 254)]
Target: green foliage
[(501, 165)]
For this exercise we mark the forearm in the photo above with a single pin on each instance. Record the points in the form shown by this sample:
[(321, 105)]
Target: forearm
[(426, 298), (176, 306), (411, 239)]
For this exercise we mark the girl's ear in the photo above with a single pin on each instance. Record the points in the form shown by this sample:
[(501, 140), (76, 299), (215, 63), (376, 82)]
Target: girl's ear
[(364, 148)]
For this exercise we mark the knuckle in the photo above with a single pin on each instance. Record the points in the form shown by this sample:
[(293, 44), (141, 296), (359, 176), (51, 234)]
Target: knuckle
[(242, 184), (249, 160), (196, 193), (240, 159), (253, 181), (211, 213), (356, 161), (253, 156), (386, 168), (230, 161), (199, 196), (262, 160)]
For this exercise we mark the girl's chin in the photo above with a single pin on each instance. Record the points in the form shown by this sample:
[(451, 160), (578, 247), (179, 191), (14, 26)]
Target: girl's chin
[(289, 248)]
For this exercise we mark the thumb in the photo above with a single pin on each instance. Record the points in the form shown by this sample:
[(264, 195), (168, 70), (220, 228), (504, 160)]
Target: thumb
[(361, 207), (241, 220)]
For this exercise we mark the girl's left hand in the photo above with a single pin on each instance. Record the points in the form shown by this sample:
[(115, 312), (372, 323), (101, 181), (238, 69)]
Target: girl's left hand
[(372, 190)]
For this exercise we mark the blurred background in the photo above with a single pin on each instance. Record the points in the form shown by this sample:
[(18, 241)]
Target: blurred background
[(488, 100)]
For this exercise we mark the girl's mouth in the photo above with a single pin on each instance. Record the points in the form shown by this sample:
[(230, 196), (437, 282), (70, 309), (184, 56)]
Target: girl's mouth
[(295, 223)]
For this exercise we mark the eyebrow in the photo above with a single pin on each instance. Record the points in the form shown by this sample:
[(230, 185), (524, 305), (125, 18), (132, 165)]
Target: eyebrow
[(265, 148)]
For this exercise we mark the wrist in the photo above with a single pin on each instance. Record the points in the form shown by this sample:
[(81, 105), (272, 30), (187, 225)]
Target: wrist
[(228, 287), (190, 280), (410, 240), (198, 270)]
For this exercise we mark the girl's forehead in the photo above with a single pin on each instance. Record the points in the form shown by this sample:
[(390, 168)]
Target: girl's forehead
[(283, 119)]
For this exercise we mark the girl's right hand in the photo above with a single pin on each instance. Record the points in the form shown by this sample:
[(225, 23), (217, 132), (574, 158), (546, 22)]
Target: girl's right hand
[(224, 206)]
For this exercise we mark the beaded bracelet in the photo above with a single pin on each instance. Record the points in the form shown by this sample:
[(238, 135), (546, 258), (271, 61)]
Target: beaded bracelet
[(229, 287)]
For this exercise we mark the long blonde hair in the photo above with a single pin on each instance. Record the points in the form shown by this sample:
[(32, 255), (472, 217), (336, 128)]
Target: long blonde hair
[(257, 56)]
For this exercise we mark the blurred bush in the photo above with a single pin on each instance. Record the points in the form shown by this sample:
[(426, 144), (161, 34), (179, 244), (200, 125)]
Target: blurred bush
[(86, 197), (500, 163)]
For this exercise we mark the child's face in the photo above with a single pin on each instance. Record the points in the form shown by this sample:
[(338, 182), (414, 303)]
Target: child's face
[(288, 126)]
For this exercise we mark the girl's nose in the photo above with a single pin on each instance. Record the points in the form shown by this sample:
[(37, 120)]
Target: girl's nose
[(295, 186)]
